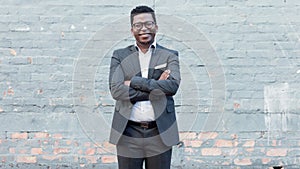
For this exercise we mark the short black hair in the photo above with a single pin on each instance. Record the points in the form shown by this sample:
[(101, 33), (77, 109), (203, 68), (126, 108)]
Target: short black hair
[(141, 9)]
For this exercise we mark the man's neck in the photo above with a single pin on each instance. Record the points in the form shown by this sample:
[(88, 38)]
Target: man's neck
[(143, 48)]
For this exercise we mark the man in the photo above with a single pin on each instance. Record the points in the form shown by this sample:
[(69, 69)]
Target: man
[(143, 78)]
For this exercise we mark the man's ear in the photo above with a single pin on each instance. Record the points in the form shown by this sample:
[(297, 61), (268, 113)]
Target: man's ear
[(156, 28), (131, 30)]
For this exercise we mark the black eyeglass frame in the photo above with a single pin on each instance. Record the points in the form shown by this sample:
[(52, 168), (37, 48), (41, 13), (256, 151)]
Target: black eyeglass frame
[(139, 25)]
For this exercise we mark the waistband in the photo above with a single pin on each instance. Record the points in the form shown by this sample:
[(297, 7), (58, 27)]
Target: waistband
[(144, 124)]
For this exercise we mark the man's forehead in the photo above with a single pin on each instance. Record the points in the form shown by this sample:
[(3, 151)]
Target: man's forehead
[(143, 16)]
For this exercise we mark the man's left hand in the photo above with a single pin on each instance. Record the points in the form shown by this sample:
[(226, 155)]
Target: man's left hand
[(127, 82)]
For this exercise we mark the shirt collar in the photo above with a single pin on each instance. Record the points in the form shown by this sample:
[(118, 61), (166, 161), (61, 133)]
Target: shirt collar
[(153, 45)]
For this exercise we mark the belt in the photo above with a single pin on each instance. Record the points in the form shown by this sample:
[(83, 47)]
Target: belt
[(143, 124)]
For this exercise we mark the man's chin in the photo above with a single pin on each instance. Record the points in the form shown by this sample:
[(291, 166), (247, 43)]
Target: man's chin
[(146, 42)]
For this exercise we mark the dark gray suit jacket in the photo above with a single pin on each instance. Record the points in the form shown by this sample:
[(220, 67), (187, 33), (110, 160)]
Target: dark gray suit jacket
[(125, 66)]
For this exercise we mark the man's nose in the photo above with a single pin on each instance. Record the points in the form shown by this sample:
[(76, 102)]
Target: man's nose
[(144, 27)]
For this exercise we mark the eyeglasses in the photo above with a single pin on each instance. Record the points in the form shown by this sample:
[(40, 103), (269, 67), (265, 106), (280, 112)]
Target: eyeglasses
[(139, 25)]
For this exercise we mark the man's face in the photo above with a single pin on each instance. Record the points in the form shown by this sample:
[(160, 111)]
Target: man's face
[(144, 28)]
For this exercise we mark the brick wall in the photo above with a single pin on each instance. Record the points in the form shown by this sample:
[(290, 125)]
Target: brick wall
[(237, 107)]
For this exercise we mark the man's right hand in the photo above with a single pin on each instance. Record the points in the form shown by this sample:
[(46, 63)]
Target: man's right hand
[(165, 75)]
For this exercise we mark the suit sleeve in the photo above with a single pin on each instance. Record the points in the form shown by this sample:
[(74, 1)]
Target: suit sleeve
[(118, 90), (168, 87)]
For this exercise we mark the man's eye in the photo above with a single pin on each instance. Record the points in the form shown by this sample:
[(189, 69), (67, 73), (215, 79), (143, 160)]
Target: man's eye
[(138, 25)]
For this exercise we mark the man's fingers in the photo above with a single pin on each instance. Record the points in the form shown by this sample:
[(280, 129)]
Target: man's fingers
[(127, 82), (167, 72), (165, 75)]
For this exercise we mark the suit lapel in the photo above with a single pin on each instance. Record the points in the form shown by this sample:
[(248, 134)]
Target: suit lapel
[(153, 61), (134, 54)]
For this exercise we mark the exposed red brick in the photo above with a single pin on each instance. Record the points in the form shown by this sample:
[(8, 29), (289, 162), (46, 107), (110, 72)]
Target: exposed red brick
[(29, 59), (12, 150), (265, 160), (236, 105), (57, 136), (243, 162), (196, 143), (249, 149), (107, 144), (277, 152), (91, 159), (235, 143), (101, 151), (197, 161), (45, 142), (22, 151), (61, 151), (207, 135), (193, 143), (87, 144), (90, 151), (224, 143), (49, 157), (189, 150), (69, 142), (109, 159), (226, 163), (10, 91), (211, 152), (274, 143), (36, 151), (41, 135), (13, 52), (109, 147), (3, 159), (249, 143), (188, 135), (26, 159), (80, 152), (234, 136), (19, 135)]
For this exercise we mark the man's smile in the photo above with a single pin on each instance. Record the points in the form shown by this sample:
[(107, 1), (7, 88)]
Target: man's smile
[(144, 34)]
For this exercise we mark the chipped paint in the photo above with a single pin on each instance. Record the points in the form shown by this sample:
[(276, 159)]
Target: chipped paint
[(276, 107)]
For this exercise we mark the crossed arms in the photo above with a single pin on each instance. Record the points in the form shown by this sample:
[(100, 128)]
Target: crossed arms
[(126, 84)]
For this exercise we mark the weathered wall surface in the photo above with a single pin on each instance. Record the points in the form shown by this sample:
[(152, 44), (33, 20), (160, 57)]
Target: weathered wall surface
[(237, 107)]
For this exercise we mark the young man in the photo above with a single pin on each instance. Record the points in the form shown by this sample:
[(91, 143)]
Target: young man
[(143, 78)]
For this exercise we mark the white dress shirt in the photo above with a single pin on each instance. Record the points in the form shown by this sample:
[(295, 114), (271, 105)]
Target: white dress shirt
[(143, 110)]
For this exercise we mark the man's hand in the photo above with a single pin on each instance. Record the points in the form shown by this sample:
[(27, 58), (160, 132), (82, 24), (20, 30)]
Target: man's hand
[(165, 75), (127, 82)]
